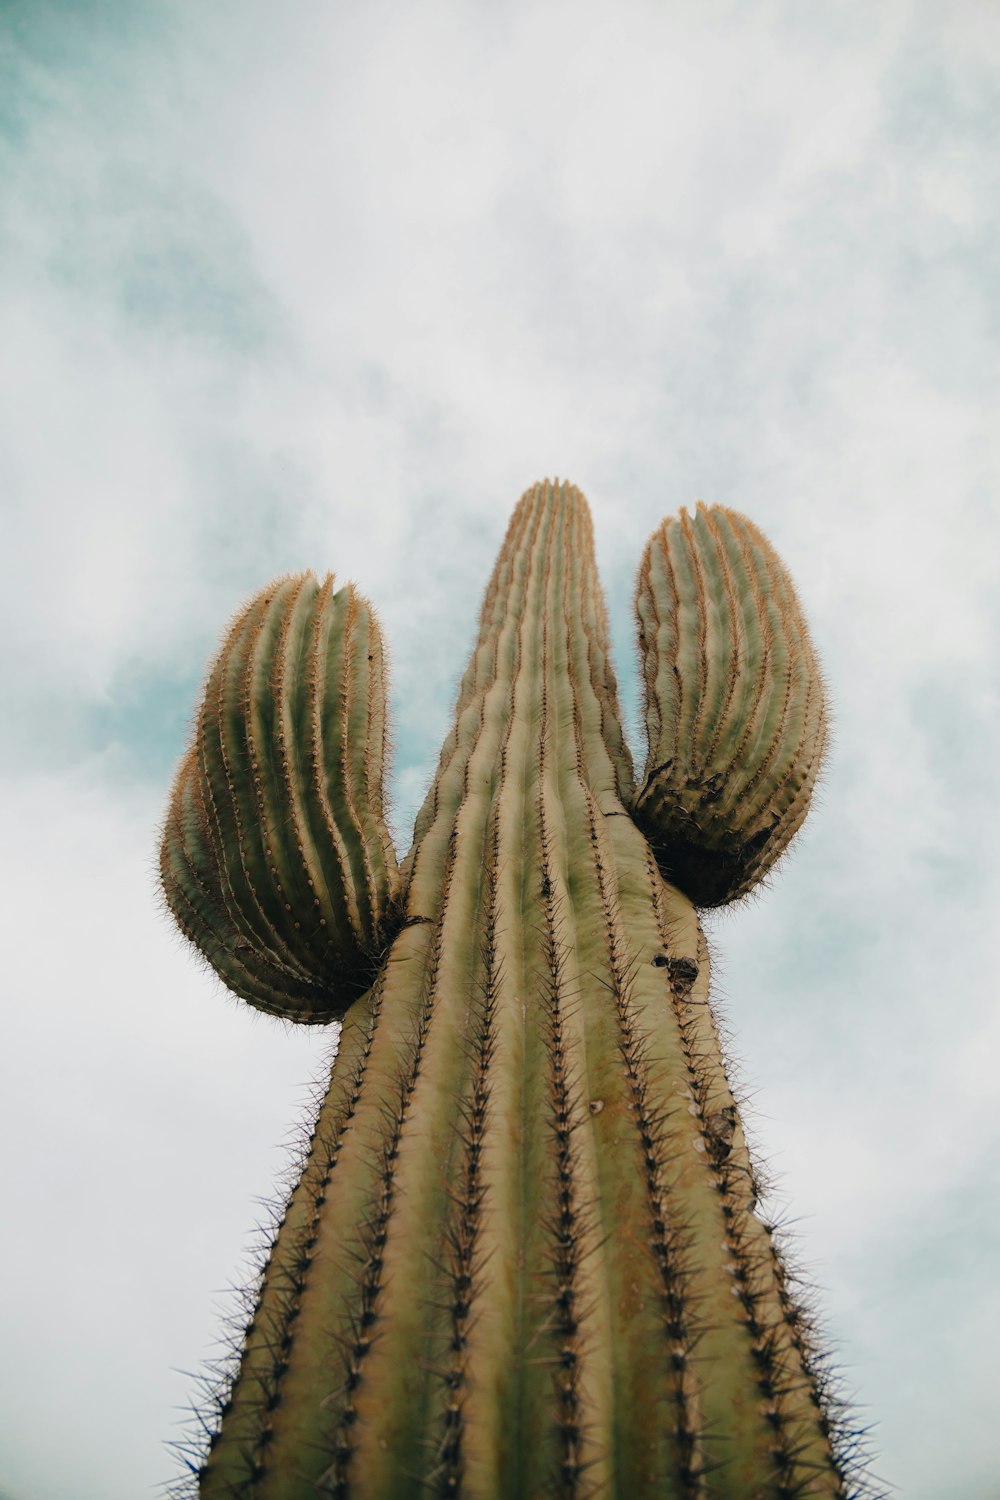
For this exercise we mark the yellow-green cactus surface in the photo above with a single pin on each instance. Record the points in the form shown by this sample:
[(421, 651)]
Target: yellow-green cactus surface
[(523, 1257)]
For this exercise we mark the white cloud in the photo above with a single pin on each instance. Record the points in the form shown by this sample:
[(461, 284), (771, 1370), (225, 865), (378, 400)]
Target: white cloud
[(145, 1111), (330, 291)]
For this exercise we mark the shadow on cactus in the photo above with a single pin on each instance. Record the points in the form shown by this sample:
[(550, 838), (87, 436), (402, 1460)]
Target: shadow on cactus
[(522, 1258)]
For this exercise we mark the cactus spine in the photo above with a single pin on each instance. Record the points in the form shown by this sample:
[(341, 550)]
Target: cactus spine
[(521, 1258)]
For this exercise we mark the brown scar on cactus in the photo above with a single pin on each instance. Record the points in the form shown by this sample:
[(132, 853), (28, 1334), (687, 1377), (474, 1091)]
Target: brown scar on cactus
[(521, 1257)]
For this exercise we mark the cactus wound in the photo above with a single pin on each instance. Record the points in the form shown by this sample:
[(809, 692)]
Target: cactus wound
[(522, 1257)]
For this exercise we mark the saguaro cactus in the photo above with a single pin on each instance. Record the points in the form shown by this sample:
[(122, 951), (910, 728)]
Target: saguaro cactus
[(522, 1258)]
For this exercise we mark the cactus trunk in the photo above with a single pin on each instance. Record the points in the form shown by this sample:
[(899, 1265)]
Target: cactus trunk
[(522, 1258)]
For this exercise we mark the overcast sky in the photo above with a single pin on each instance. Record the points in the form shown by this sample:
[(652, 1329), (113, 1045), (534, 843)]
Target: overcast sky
[(329, 285)]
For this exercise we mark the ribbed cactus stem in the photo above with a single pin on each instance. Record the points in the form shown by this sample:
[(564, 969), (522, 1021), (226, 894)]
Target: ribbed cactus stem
[(276, 860), (735, 705), (522, 1259)]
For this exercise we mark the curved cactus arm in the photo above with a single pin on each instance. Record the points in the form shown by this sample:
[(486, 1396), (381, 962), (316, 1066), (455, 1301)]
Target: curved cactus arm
[(734, 703), (275, 860)]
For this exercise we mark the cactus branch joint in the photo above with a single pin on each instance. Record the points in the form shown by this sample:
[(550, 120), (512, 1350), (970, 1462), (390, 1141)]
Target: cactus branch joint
[(524, 1256)]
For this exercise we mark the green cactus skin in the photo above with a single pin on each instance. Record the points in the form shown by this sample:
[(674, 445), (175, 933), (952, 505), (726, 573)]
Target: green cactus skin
[(735, 706), (522, 1257), (276, 861)]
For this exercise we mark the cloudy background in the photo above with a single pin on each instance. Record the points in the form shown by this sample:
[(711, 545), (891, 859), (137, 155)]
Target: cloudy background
[(329, 285)]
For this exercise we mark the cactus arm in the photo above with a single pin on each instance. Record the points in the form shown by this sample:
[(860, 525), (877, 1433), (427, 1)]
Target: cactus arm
[(275, 856), (734, 703)]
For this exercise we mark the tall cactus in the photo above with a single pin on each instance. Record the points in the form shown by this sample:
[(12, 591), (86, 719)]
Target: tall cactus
[(522, 1258)]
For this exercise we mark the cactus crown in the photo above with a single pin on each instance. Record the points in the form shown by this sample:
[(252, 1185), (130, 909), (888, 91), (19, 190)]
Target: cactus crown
[(522, 1257)]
